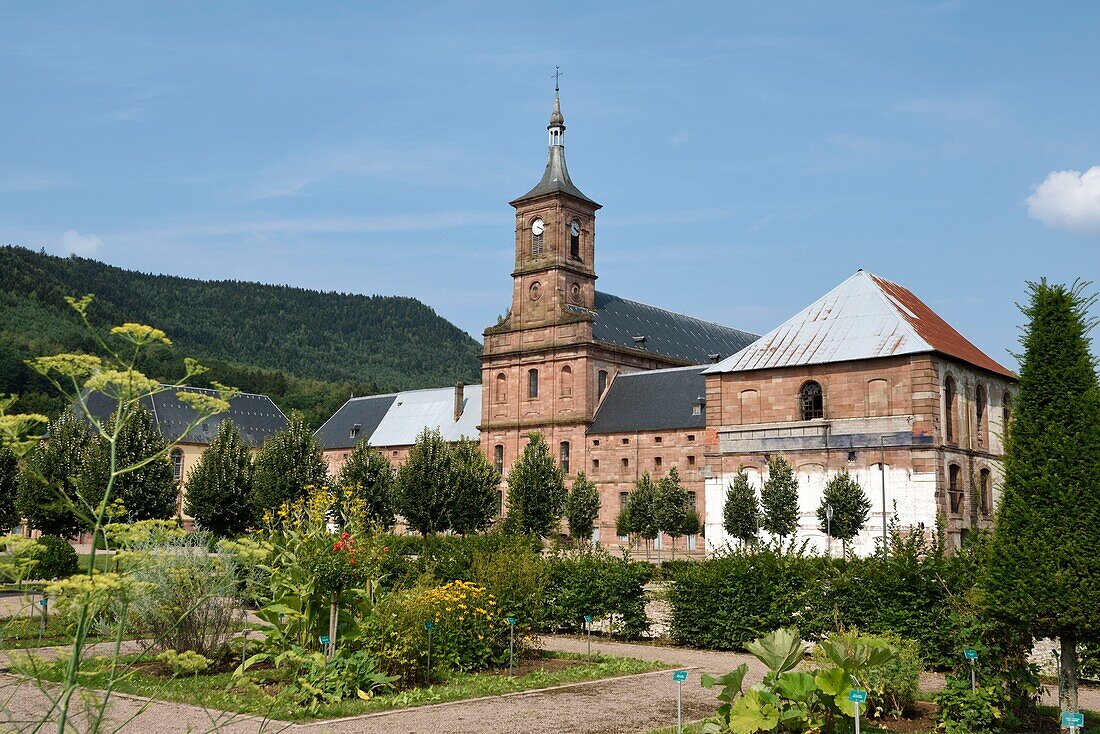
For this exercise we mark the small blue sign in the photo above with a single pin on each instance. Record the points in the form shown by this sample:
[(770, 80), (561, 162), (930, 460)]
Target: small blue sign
[(680, 676), (42, 602), (324, 639), (512, 621), (857, 695), (429, 626), (1074, 719), (970, 653), (588, 619), (282, 617)]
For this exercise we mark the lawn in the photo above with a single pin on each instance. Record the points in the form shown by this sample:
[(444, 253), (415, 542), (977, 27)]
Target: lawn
[(24, 631), (263, 697)]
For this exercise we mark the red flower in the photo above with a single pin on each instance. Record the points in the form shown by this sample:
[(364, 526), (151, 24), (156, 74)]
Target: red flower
[(386, 549)]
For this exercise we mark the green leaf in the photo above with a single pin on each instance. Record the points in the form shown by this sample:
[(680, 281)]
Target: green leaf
[(796, 686), (750, 714), (832, 681), (780, 650)]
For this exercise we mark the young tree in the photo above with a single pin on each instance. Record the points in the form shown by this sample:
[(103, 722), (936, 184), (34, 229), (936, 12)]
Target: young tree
[(288, 465), (149, 492), (536, 490), (9, 482), (672, 506), (423, 484), (741, 513), (47, 496), (474, 485), (369, 475), (1043, 577), (851, 508), (779, 499), (582, 508), (641, 509), (219, 487)]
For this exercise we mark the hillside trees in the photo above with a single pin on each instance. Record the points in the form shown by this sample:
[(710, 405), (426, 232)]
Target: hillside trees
[(536, 490), (779, 499), (1043, 578), (219, 486), (369, 476), (47, 495), (288, 466), (741, 512), (582, 508)]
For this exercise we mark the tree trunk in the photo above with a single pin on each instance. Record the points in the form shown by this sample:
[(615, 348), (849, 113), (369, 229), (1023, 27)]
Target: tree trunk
[(1068, 672)]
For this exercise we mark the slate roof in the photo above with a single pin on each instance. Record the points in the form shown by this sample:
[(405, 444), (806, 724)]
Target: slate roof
[(555, 179), (864, 317), (397, 419), (652, 400), (366, 412), (256, 416), (617, 321)]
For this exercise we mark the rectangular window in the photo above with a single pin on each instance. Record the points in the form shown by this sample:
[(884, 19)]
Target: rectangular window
[(691, 461), (691, 499), (563, 453), (601, 383), (656, 439), (532, 383), (500, 503), (595, 465), (954, 489), (595, 442), (697, 409), (626, 464), (657, 462), (692, 543), (626, 440), (498, 458), (691, 437)]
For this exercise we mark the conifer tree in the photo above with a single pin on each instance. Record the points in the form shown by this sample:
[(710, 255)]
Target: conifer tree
[(779, 499), (582, 508), (219, 486), (423, 484), (288, 466), (47, 496), (672, 506), (1043, 577), (851, 508), (741, 513), (9, 482), (370, 477), (536, 490), (474, 483), (149, 492)]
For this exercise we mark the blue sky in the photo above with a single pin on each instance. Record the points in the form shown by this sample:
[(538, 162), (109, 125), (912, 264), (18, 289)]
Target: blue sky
[(749, 156)]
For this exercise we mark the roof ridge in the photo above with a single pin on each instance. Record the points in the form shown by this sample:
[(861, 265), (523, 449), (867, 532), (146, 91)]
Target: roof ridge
[(677, 313), (872, 279), (215, 391), (664, 369)]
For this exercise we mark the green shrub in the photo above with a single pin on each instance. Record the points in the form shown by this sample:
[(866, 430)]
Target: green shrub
[(892, 687), (983, 711), (186, 662), (589, 581), (56, 560), (518, 577)]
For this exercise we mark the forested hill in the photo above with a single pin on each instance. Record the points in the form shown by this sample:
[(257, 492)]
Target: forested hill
[(309, 350)]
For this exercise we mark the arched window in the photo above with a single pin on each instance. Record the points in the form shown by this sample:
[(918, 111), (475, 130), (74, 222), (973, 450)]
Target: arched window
[(601, 383), (566, 380), (563, 453), (984, 496), (575, 240), (954, 487), (502, 388), (177, 464), (537, 228), (811, 401), (532, 383), (979, 408), (750, 406), (878, 397), (949, 409), (498, 458)]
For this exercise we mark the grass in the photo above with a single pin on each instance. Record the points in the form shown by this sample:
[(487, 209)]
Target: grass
[(222, 691), (23, 632)]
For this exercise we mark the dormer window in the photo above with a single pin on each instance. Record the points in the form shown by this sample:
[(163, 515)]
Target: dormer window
[(354, 432)]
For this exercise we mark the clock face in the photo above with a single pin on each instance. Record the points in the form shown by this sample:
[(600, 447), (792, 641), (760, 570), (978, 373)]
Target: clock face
[(537, 226), (575, 229)]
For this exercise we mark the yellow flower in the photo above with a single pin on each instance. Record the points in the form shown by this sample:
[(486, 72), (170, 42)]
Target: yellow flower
[(140, 334)]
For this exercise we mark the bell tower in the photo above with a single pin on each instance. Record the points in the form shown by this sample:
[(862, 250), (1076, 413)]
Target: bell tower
[(555, 241)]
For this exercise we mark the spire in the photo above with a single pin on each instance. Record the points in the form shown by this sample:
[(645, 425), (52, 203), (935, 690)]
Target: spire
[(556, 176)]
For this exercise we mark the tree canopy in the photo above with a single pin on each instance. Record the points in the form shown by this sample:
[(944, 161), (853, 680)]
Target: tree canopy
[(219, 486), (850, 504), (474, 484), (48, 479), (536, 490), (369, 475), (582, 509), (779, 499), (423, 484), (741, 512), (9, 485), (288, 465)]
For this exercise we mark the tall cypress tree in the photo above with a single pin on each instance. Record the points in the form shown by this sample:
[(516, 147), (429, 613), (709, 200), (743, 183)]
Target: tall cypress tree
[(423, 484), (288, 466), (741, 513), (48, 479), (219, 487), (536, 490), (1043, 574), (369, 475), (779, 499)]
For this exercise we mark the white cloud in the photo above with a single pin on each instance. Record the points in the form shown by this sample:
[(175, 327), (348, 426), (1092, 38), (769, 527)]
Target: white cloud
[(74, 243), (1068, 200)]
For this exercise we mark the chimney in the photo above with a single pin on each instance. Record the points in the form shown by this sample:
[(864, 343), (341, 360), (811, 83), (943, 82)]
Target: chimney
[(459, 387)]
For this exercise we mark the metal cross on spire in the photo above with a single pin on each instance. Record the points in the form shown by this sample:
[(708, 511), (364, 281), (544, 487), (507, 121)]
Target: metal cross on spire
[(557, 78)]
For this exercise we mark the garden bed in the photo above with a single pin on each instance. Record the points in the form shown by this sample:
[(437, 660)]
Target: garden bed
[(262, 691)]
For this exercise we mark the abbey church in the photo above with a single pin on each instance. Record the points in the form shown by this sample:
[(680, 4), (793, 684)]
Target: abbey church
[(867, 379)]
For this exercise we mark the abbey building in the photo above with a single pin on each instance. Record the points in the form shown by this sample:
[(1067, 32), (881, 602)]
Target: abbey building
[(867, 379)]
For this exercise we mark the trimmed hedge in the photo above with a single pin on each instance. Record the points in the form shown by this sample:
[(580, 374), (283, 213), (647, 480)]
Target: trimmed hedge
[(593, 582), (56, 560)]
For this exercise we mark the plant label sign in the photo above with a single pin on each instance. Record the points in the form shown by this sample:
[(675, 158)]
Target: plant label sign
[(429, 626), (42, 602), (680, 676), (512, 621), (1073, 719), (324, 639), (588, 619), (857, 695), (970, 653)]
